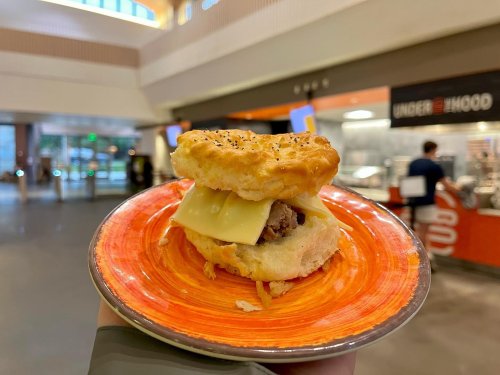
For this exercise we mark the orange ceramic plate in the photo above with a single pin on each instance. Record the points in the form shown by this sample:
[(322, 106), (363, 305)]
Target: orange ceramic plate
[(376, 284)]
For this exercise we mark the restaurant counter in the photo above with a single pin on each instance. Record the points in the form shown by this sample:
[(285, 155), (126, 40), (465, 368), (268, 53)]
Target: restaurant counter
[(489, 211), (377, 195), (466, 234)]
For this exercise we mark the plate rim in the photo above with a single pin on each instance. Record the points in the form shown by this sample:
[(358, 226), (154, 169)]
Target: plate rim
[(266, 354)]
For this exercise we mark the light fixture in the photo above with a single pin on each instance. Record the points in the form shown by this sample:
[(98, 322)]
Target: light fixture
[(113, 149), (482, 126), (106, 12), (381, 124), (360, 114)]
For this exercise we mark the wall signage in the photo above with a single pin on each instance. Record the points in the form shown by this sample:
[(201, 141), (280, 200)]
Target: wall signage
[(455, 100)]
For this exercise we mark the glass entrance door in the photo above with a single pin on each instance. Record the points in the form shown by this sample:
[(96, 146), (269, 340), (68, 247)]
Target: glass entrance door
[(81, 152), (7, 151), (75, 155)]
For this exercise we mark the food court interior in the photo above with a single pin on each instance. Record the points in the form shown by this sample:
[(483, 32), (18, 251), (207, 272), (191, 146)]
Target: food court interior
[(94, 94)]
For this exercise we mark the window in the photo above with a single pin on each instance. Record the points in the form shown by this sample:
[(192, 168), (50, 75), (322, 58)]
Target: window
[(207, 4), (185, 12), (73, 154), (128, 10), (126, 7), (106, 4), (7, 149)]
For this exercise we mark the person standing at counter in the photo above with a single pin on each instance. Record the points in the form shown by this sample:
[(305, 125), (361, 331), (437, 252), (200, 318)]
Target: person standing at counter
[(424, 209)]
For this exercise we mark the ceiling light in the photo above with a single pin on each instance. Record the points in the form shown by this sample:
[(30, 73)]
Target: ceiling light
[(113, 149), (384, 123), (360, 114)]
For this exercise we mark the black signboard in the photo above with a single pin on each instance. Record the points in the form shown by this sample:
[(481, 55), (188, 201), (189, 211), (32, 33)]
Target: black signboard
[(449, 101)]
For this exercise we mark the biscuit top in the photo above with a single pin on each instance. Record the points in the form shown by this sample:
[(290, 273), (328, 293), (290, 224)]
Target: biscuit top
[(256, 166)]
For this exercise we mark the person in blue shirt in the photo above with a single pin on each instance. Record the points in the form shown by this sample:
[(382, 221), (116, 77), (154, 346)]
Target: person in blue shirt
[(425, 209)]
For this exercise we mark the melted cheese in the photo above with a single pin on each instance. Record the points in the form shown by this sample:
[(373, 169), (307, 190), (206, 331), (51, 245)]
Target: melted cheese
[(310, 204), (223, 215)]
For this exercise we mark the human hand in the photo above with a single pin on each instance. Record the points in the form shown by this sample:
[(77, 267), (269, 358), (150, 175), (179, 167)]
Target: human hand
[(340, 365), (107, 317)]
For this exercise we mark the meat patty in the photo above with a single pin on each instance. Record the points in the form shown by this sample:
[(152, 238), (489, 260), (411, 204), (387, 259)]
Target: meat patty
[(282, 220)]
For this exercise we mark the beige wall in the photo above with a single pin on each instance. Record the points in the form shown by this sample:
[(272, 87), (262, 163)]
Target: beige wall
[(205, 22), (42, 74), (46, 45), (291, 37), (239, 54), (464, 53), (50, 96)]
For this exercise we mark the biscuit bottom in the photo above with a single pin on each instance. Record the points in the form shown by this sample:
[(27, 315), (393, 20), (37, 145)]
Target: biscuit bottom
[(305, 250)]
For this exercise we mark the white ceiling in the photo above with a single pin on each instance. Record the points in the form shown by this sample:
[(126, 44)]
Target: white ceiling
[(56, 20)]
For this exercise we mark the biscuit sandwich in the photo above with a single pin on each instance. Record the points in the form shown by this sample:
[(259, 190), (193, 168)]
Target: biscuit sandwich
[(254, 209)]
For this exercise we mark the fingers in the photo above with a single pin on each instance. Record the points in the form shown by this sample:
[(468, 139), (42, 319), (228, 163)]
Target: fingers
[(340, 365), (107, 317)]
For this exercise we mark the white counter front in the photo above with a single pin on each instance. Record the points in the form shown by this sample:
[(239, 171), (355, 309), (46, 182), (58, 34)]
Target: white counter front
[(377, 195)]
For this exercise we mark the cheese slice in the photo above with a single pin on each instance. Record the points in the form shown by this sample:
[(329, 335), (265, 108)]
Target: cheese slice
[(223, 215), (311, 204)]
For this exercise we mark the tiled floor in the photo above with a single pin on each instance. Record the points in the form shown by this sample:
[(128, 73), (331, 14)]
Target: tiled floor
[(48, 304), (9, 192), (457, 331)]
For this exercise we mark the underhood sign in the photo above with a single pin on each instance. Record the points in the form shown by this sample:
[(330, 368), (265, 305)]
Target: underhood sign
[(456, 100)]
